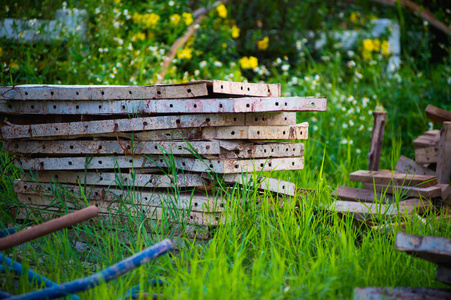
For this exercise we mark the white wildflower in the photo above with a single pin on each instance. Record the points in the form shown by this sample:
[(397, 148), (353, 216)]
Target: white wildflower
[(285, 67), (351, 64)]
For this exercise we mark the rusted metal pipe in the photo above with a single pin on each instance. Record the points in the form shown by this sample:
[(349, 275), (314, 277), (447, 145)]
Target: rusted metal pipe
[(37, 231)]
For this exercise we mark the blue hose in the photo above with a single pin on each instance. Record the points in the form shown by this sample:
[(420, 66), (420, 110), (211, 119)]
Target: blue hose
[(5, 232), (136, 290), (32, 276), (104, 276)]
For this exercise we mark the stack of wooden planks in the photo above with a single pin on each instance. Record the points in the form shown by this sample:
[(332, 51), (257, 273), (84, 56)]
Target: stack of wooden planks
[(152, 149), (412, 189), (434, 249)]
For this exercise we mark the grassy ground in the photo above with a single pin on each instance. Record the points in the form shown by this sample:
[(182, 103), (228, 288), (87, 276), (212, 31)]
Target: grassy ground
[(293, 252)]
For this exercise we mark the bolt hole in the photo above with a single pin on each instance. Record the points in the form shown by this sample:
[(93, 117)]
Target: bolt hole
[(207, 120), (26, 93), (258, 132), (233, 132), (195, 105), (144, 123), (100, 147), (170, 105), (177, 121), (100, 106), (220, 105), (103, 93), (54, 106), (77, 93), (70, 163), (208, 147), (130, 92), (188, 90), (71, 147), (277, 103), (158, 92), (52, 93), (100, 162), (248, 105), (77, 106)]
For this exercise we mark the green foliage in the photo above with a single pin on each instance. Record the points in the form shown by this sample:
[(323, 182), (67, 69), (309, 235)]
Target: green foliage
[(263, 252)]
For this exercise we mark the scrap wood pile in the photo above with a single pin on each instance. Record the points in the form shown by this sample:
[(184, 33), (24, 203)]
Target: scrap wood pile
[(433, 249), (419, 185), (128, 147)]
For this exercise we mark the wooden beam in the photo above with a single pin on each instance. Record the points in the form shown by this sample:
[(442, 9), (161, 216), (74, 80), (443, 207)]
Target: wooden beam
[(172, 106), (403, 191), (383, 177), (408, 166), (376, 140), (221, 166), (425, 141), (437, 114), (354, 194), (434, 249), (103, 92), (444, 154), (427, 155)]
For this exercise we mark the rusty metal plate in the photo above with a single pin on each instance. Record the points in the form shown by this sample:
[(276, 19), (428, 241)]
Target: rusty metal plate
[(192, 106), (95, 128), (112, 147), (116, 209), (293, 132), (118, 179), (262, 182), (195, 202), (222, 166), (246, 89), (103, 92)]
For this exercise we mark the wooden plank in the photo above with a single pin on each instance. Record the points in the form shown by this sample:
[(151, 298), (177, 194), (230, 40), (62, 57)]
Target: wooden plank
[(408, 166), (366, 211), (117, 210), (426, 155), (444, 275), (118, 179), (222, 166), (383, 177), (444, 154), (248, 150), (103, 92), (263, 183), (174, 106), (246, 89), (434, 249), (437, 114), (69, 147), (424, 141), (354, 194), (400, 293), (195, 202), (403, 191), (293, 132), (433, 132), (446, 191), (374, 156), (94, 128)]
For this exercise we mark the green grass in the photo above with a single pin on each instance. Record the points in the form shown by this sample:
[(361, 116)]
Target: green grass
[(298, 251)]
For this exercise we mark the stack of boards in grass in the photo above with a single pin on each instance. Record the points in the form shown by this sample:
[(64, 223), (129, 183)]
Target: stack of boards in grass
[(127, 148), (415, 186)]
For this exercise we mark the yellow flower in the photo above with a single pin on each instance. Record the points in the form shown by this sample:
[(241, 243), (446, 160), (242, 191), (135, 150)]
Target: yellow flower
[(175, 19), (354, 18), (376, 45), (117, 2), (186, 53), (1, 52), (235, 32), (222, 11), (385, 48), (248, 62), (151, 19), (224, 45), (253, 62), (263, 44), (366, 54), (139, 36), (187, 18), (368, 45)]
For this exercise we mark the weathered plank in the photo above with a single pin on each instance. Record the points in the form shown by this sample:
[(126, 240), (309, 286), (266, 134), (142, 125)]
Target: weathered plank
[(103, 92), (247, 150), (354, 194), (383, 177), (437, 114), (426, 155), (192, 106), (118, 179), (444, 275), (246, 89), (262, 183), (446, 191), (430, 248), (374, 156), (408, 166), (293, 132), (196, 202), (426, 140), (400, 293), (112, 147), (31, 211), (427, 192), (367, 211), (94, 128), (444, 154), (222, 166)]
